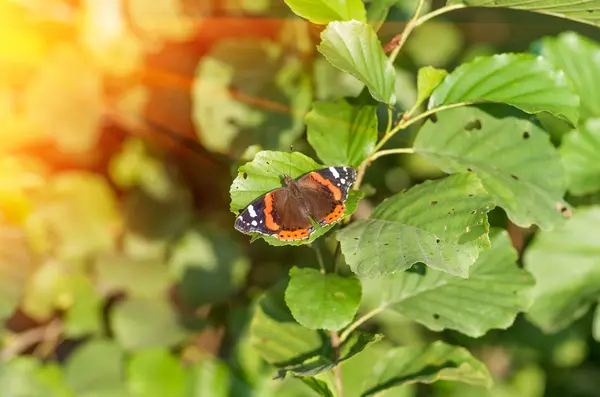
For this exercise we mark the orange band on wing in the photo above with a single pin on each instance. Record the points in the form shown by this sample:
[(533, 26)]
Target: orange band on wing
[(335, 215), (298, 234), (337, 193), (269, 221)]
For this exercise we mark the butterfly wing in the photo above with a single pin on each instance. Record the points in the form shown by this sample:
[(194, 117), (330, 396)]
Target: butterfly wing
[(278, 214), (325, 192)]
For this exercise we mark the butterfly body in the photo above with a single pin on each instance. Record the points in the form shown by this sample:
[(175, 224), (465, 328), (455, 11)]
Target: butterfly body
[(286, 212)]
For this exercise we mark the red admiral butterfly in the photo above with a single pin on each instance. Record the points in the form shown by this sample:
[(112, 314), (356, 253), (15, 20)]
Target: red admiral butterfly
[(285, 212)]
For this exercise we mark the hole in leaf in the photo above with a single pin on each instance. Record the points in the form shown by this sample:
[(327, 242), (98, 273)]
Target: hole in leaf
[(526, 135), (433, 118), (436, 316), (590, 11), (418, 268), (470, 194), (386, 244), (513, 176), (434, 202), (473, 125), (473, 212), (470, 169), (437, 240), (245, 175)]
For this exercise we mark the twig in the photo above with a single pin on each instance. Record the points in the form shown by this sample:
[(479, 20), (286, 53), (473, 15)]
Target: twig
[(437, 12), (407, 30), (359, 322), (320, 259), (24, 340)]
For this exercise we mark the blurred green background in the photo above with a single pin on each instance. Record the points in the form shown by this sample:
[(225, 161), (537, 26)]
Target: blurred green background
[(122, 124)]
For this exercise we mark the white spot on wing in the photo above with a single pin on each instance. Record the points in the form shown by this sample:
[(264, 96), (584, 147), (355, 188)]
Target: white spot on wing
[(334, 172), (343, 180), (251, 211), (254, 223)]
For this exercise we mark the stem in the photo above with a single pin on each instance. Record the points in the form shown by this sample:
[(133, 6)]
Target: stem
[(381, 153), (407, 30), (389, 120), (46, 333), (337, 370), (437, 12), (320, 260), (359, 322)]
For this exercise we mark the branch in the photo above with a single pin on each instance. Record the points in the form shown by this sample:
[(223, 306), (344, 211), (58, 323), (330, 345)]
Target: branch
[(359, 322)]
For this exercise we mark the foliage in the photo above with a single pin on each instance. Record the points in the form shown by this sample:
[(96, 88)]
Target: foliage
[(468, 266)]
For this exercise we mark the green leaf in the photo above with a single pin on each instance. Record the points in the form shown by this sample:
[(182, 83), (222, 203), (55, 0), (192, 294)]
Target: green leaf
[(322, 301), (526, 82), (436, 362), (561, 51), (155, 373), (84, 314), (340, 133), (209, 266), (144, 278), (317, 385), (210, 377), (325, 11), (283, 342), (494, 293), (262, 175), (252, 92), (428, 79), (76, 217), (564, 292), (580, 150), (134, 166), (145, 323), (354, 48), (581, 11), (512, 157), (25, 377), (104, 377), (432, 223), (377, 12)]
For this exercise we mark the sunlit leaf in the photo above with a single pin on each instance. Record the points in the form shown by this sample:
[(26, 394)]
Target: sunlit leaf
[(247, 93), (492, 296), (581, 11), (104, 377), (262, 175), (281, 341), (564, 262), (145, 278), (342, 133), (155, 373), (322, 301), (580, 150), (160, 19), (209, 266), (436, 362), (442, 223), (562, 50), (428, 79), (325, 11), (15, 268), (513, 158), (76, 216), (72, 119), (84, 310), (145, 323), (354, 48), (529, 83)]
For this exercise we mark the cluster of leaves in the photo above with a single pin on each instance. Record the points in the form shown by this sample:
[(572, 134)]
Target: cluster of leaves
[(113, 284), (428, 253)]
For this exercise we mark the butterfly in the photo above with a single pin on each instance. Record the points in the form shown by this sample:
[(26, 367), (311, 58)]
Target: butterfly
[(286, 212)]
